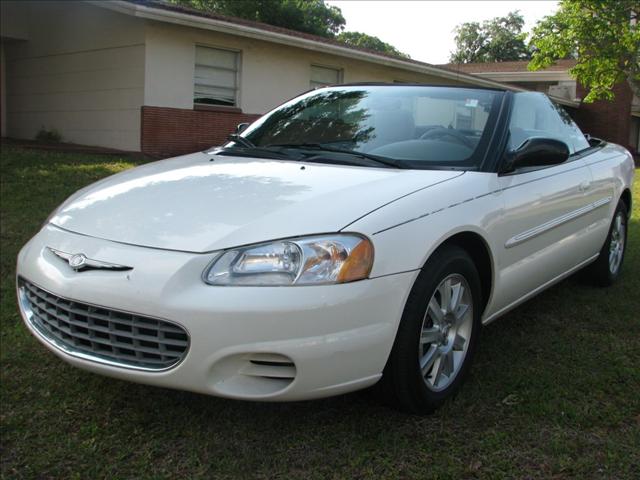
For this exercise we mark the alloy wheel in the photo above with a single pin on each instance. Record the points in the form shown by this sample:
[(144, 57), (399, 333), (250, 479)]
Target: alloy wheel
[(616, 245), (446, 332)]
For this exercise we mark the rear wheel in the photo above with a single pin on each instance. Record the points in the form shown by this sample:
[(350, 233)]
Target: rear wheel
[(608, 266), (437, 335)]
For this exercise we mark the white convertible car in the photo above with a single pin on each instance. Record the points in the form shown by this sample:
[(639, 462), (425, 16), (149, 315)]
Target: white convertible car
[(356, 234)]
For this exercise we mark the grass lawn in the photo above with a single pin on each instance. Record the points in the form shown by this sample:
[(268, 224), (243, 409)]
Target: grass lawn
[(554, 392)]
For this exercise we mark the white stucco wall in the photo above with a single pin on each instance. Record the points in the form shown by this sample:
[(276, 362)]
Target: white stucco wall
[(81, 72), (269, 74)]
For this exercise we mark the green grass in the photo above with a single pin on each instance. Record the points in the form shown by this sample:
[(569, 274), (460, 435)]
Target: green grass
[(554, 392)]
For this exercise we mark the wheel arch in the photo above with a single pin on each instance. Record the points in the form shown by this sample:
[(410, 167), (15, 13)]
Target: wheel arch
[(626, 198), (478, 249)]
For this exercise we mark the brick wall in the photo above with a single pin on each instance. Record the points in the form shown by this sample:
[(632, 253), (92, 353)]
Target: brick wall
[(604, 119), (174, 131)]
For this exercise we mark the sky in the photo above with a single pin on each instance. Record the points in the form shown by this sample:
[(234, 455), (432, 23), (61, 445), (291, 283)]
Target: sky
[(424, 29)]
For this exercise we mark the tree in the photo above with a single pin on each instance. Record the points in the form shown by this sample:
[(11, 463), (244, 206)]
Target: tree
[(497, 40), (362, 40), (310, 16), (602, 35)]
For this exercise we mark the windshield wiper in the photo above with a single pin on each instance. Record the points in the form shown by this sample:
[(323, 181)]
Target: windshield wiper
[(389, 162), (246, 148), (278, 151), (245, 142), (257, 152)]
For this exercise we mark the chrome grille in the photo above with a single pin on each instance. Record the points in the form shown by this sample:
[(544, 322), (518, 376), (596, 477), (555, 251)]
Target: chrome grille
[(101, 334)]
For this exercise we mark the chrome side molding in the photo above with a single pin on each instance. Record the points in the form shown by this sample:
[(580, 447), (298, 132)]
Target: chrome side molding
[(556, 222)]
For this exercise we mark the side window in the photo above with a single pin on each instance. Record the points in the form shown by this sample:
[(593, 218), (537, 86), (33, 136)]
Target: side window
[(323, 76), (215, 80), (534, 115)]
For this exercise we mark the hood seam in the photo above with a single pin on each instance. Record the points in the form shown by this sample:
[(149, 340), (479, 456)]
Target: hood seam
[(400, 198)]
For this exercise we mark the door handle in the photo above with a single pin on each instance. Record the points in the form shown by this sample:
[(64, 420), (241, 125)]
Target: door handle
[(584, 186)]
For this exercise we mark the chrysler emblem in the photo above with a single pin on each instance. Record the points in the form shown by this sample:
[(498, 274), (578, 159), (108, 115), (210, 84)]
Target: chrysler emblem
[(80, 262), (77, 261)]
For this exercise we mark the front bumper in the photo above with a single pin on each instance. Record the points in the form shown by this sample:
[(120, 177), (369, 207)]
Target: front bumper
[(337, 337)]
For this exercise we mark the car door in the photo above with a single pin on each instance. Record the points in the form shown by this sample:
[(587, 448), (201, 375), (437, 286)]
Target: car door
[(544, 231)]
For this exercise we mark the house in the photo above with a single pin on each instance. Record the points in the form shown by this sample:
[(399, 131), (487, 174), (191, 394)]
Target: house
[(617, 121), (148, 76), (153, 77)]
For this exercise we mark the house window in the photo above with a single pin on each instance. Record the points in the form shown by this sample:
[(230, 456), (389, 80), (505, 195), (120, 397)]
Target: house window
[(323, 76), (215, 80)]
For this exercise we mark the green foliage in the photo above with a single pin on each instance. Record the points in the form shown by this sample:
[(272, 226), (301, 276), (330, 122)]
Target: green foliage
[(497, 40), (48, 136), (603, 36), (310, 16), (362, 40)]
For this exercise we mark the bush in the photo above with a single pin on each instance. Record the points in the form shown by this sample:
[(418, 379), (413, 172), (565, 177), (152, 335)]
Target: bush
[(48, 136)]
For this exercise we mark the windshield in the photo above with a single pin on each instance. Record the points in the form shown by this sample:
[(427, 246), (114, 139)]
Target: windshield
[(416, 126)]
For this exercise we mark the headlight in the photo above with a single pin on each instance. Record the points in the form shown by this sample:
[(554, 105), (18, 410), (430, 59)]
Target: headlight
[(313, 260)]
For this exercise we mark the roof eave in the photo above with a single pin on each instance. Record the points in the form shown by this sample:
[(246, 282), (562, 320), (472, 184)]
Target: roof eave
[(528, 76)]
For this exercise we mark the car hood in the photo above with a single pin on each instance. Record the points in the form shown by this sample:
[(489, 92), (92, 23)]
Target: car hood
[(202, 202)]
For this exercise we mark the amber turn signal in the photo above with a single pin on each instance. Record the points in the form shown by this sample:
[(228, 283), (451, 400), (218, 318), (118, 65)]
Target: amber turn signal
[(359, 263)]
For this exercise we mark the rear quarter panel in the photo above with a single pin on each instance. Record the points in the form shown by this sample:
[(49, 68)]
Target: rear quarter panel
[(612, 169)]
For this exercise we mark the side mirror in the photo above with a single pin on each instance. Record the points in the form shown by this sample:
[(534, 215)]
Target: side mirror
[(536, 152), (242, 127)]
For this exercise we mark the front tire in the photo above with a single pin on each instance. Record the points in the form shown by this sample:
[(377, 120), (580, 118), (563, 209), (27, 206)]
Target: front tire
[(437, 335), (606, 270)]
